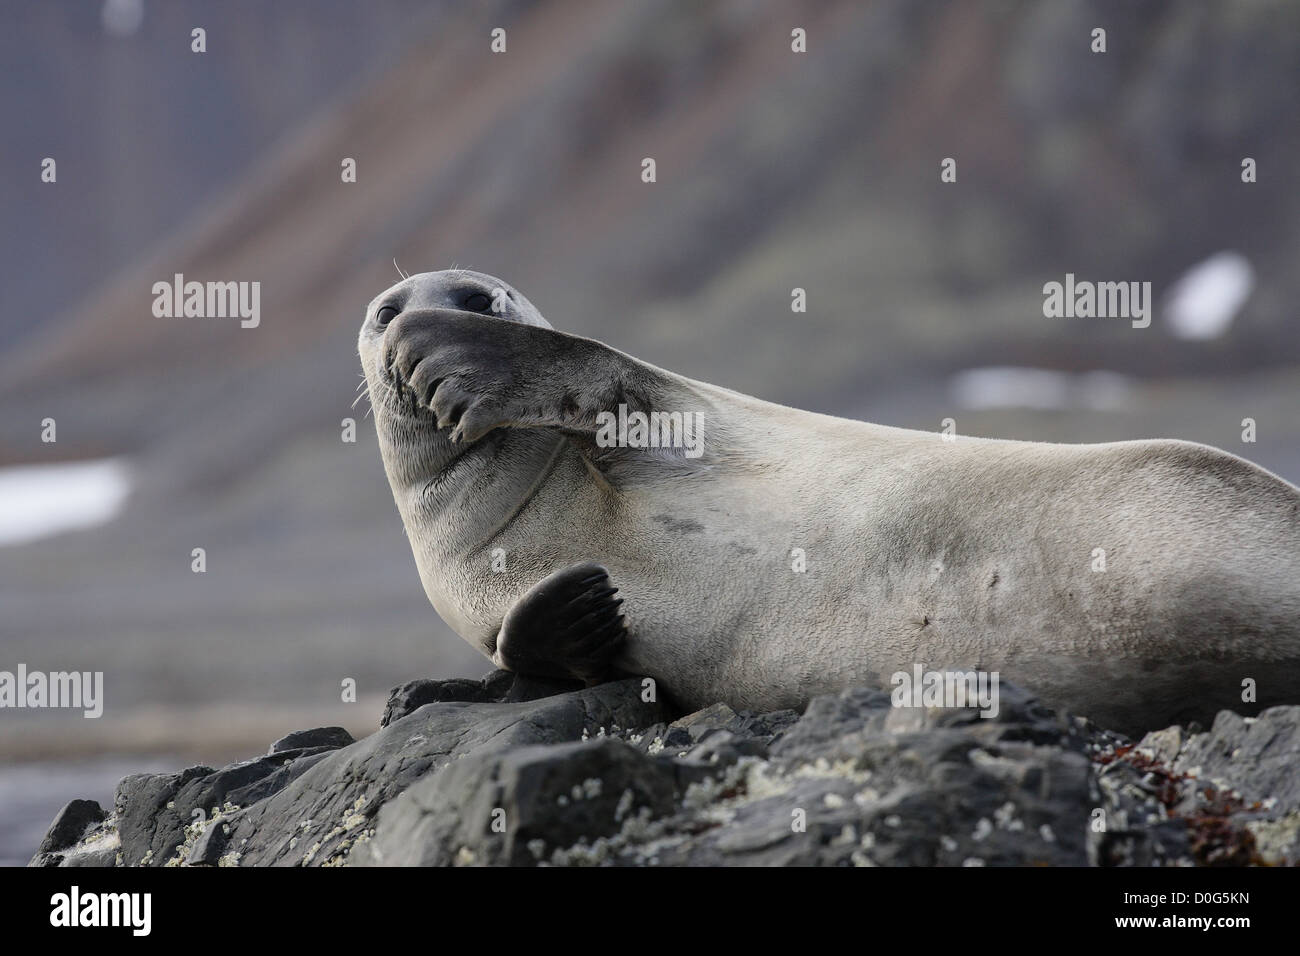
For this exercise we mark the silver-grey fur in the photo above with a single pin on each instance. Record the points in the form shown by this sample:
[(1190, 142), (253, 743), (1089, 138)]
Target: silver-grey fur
[(951, 554)]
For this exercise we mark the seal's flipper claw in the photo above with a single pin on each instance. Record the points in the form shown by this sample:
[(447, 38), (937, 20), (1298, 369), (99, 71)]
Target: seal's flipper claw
[(479, 419), (567, 625)]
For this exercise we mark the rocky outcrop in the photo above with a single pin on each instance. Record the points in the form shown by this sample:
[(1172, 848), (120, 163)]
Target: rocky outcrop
[(513, 772), (1227, 796)]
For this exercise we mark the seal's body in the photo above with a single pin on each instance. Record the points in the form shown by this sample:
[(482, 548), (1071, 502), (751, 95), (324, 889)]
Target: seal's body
[(1135, 582)]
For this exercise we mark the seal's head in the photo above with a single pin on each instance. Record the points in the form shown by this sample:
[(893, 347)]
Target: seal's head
[(399, 312), (453, 289), (426, 344), (404, 321)]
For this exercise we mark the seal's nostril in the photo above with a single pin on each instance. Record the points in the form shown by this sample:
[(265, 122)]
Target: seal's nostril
[(386, 314)]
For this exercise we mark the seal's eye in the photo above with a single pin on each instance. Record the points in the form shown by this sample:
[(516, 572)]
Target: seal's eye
[(478, 302), (386, 314)]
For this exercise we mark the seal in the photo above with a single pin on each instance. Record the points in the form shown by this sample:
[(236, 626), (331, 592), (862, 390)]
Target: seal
[(788, 553)]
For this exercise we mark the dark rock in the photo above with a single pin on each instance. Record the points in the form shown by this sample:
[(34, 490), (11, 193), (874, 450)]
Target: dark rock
[(1130, 826), (148, 820), (714, 717), (719, 717), (857, 781), (868, 784), (289, 770), (723, 748), (675, 738), (529, 772), (321, 814), (520, 806), (71, 824), (411, 696), (831, 718), (645, 739), (1230, 795), (1255, 756), (324, 738), (770, 725), (498, 687), (210, 845)]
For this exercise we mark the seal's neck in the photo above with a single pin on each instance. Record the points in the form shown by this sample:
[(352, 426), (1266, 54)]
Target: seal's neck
[(463, 493)]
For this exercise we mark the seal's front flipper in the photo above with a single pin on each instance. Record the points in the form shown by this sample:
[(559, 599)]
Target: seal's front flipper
[(568, 625), (475, 374)]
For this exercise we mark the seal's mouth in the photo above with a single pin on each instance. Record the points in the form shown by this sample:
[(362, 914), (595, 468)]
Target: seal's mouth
[(397, 399), (416, 382)]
